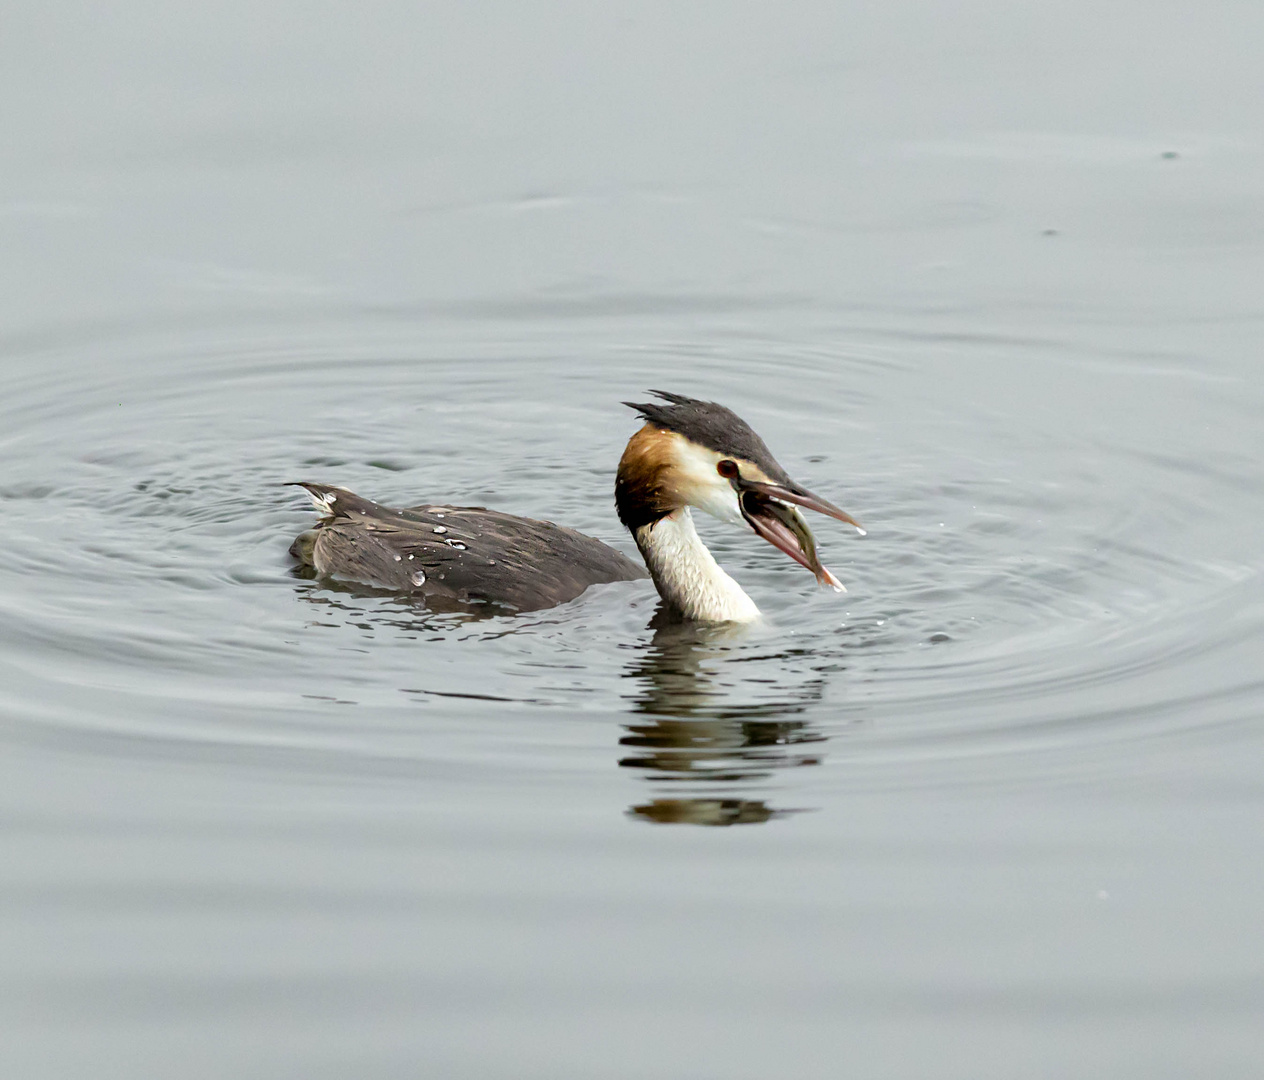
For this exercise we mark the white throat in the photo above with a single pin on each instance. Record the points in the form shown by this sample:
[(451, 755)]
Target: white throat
[(686, 573)]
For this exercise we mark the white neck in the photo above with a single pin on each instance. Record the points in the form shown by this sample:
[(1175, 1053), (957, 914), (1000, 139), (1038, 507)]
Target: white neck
[(687, 575)]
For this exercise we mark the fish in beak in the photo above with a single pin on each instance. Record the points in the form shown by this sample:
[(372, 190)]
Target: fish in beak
[(770, 509)]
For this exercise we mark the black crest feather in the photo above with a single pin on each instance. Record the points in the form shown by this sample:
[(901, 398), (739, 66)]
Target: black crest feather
[(711, 425)]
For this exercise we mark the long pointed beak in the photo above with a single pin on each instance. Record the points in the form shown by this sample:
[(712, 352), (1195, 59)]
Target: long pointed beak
[(800, 496), (766, 508)]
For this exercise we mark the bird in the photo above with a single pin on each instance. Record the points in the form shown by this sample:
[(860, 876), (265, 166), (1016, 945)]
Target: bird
[(689, 453)]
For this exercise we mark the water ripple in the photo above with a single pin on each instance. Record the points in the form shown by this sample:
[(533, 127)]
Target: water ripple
[(1031, 586)]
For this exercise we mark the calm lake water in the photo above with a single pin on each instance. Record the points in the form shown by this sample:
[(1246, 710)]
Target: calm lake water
[(989, 277)]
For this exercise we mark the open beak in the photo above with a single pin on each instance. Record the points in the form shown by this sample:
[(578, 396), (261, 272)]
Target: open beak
[(767, 509)]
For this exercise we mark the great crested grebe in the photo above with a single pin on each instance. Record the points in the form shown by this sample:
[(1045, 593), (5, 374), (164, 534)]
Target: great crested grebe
[(689, 453)]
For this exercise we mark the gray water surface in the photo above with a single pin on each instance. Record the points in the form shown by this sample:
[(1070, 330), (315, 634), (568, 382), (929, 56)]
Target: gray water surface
[(987, 277)]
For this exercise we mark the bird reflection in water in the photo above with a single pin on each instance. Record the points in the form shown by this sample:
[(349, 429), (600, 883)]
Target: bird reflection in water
[(695, 734), (716, 734)]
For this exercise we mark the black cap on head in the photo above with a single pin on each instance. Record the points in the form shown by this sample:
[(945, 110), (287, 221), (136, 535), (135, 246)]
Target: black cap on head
[(712, 426)]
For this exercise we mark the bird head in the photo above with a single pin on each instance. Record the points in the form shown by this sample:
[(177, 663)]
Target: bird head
[(700, 454)]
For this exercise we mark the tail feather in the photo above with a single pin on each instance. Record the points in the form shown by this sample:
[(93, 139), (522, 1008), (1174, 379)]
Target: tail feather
[(322, 495), (333, 501)]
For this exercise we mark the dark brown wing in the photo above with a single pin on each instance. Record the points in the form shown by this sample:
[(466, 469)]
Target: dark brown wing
[(462, 553)]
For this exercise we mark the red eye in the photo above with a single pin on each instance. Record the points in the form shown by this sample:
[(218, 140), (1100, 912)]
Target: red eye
[(727, 469)]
